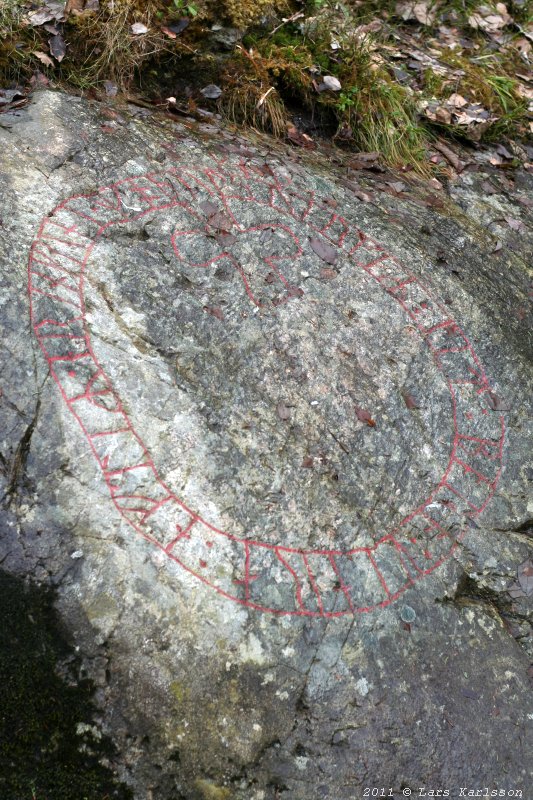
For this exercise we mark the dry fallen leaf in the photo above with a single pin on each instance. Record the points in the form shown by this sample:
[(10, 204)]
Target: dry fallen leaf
[(80, 7), (524, 45), (515, 590), (423, 12), (525, 576), (215, 311), (397, 186), (488, 188), (331, 83), (111, 88), (168, 32), (409, 400), (58, 47), (472, 118), (175, 28), (365, 161), (220, 221), (503, 151), (364, 416), (282, 411), (515, 224), (38, 80), (487, 20), (449, 155), (372, 27), (211, 92), (434, 201), (74, 6), (139, 29), (365, 197), (12, 98), (43, 58), (324, 250), (457, 100), (524, 91), (40, 16), (299, 138), (437, 113), (209, 208), (225, 239)]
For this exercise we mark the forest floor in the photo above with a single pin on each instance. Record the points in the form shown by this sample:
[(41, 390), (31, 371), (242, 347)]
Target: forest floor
[(411, 86)]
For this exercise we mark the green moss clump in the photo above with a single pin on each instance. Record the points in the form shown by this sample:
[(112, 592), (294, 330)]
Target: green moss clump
[(209, 791), (243, 13), (371, 112), (433, 84), (49, 748)]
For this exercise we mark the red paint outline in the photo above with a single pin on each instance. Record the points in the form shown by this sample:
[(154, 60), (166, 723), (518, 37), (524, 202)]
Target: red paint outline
[(47, 253)]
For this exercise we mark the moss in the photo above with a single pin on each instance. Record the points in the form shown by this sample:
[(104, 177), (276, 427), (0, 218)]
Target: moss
[(103, 606), (210, 791), (44, 751), (433, 84), (100, 44), (243, 13), (179, 692), (485, 79), (372, 112), (380, 114)]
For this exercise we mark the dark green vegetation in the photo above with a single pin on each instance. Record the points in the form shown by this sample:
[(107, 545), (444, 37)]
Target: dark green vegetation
[(49, 749), (406, 72)]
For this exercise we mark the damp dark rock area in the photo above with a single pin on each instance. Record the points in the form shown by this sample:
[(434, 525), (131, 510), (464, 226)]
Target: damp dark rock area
[(51, 746), (265, 466)]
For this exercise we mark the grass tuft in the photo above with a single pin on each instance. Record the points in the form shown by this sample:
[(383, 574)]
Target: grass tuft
[(102, 46), (381, 114), (250, 98)]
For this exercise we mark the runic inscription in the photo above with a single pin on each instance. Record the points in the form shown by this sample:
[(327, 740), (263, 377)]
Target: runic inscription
[(221, 199)]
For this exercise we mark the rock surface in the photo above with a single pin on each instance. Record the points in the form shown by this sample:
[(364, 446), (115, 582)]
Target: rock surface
[(271, 444)]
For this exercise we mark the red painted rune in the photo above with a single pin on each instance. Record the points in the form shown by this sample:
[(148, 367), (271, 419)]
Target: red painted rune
[(260, 575)]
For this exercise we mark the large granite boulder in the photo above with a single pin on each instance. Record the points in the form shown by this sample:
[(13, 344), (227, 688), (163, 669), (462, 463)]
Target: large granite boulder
[(270, 444)]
